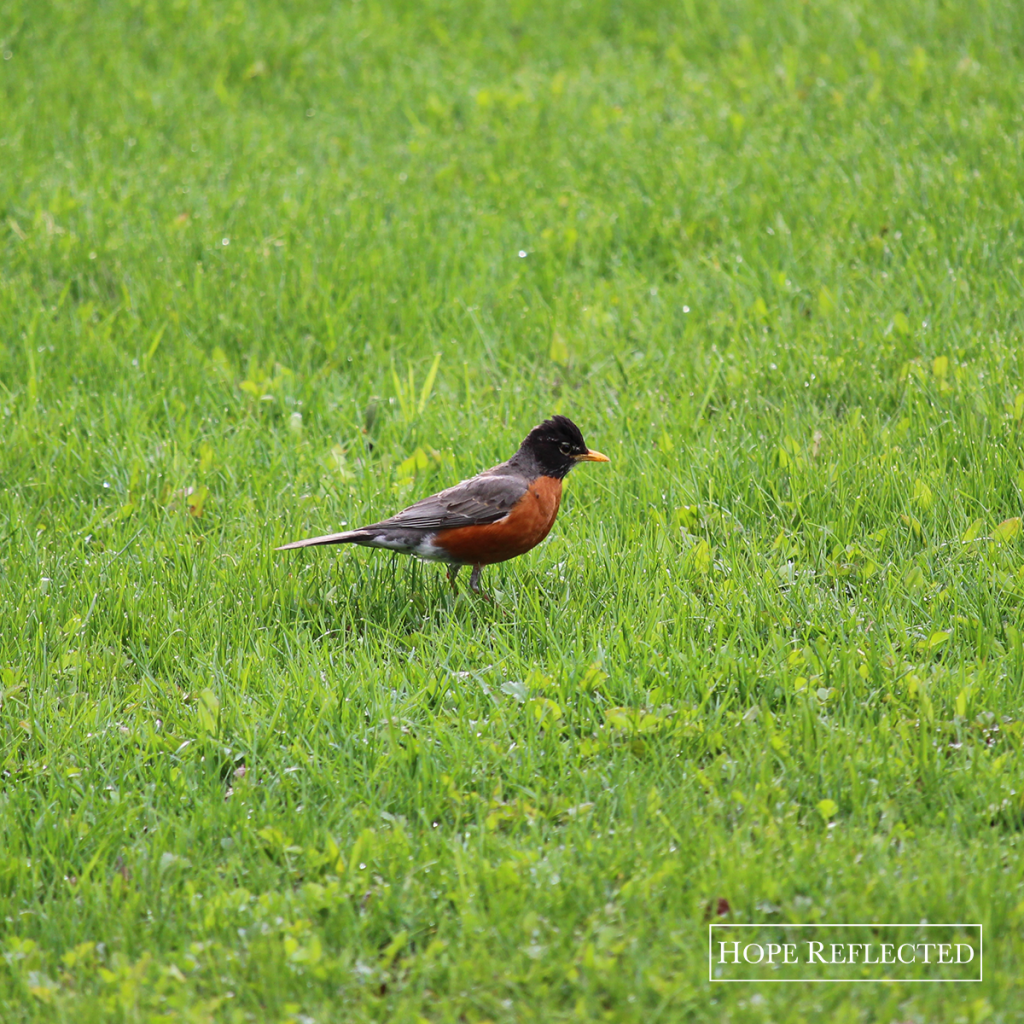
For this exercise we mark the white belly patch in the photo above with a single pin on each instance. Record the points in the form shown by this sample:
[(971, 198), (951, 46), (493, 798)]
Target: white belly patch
[(424, 548)]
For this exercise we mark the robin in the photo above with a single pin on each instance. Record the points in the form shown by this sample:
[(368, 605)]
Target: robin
[(501, 513)]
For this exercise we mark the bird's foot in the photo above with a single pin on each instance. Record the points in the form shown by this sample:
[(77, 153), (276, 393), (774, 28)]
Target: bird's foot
[(474, 583)]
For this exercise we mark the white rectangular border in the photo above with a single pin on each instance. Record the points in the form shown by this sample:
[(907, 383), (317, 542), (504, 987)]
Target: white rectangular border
[(847, 981)]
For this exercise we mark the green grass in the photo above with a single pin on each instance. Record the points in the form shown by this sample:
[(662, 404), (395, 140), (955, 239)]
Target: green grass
[(773, 654)]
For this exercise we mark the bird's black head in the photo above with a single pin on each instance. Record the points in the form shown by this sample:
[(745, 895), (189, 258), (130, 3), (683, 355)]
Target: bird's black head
[(556, 445)]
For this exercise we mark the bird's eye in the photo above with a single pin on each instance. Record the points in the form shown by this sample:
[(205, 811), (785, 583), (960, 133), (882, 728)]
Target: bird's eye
[(565, 448)]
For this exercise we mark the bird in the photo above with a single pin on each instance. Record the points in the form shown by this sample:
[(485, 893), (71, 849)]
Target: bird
[(500, 513)]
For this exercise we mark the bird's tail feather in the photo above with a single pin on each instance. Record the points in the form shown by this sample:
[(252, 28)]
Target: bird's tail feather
[(348, 537)]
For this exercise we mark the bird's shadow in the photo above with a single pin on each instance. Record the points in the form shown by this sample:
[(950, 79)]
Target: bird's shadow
[(399, 595)]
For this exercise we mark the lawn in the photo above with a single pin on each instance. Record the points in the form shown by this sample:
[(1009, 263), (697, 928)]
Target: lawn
[(271, 268)]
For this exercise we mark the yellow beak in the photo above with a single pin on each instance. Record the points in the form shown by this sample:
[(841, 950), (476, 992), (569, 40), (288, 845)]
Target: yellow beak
[(592, 456)]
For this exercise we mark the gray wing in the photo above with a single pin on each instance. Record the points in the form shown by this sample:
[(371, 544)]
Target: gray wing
[(483, 499)]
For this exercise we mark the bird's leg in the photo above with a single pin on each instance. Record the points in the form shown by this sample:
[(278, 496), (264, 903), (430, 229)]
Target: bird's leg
[(453, 571), (474, 583)]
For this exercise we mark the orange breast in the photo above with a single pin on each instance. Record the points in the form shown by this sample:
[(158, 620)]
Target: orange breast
[(523, 528)]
